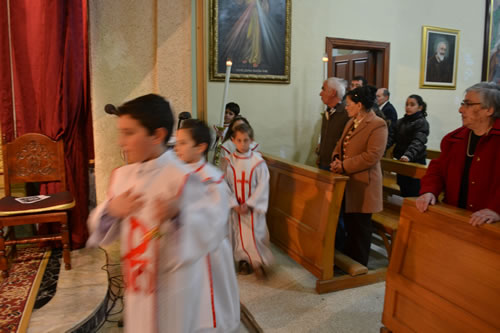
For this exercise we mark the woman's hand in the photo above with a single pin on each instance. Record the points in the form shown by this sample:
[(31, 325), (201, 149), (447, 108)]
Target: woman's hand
[(483, 216), (125, 204), (424, 200), (404, 158)]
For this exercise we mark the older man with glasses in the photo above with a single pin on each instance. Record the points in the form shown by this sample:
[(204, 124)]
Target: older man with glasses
[(468, 169)]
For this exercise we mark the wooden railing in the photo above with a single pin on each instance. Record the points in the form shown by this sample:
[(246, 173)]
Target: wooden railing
[(444, 275)]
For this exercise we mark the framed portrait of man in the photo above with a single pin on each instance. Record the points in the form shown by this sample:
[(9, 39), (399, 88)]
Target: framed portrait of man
[(254, 35), (491, 51), (438, 69)]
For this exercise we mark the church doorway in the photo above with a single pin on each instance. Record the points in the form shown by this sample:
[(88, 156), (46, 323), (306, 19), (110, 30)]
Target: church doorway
[(348, 58)]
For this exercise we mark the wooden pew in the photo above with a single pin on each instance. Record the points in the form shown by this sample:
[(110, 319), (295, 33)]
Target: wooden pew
[(432, 154), (302, 217), (444, 275), (386, 222)]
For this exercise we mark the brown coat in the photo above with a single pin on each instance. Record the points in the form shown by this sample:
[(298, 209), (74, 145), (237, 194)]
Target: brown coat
[(366, 147), (331, 130)]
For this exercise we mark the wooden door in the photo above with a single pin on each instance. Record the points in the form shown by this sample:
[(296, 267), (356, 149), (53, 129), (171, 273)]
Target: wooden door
[(375, 64), (351, 65)]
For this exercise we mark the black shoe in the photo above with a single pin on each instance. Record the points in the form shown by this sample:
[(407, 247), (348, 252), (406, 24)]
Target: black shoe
[(244, 268)]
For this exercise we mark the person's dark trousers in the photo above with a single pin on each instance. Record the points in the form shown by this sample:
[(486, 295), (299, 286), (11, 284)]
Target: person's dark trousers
[(408, 186), (359, 236), (324, 167), (340, 234)]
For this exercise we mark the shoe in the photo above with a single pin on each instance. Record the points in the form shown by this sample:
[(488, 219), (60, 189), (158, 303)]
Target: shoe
[(244, 268)]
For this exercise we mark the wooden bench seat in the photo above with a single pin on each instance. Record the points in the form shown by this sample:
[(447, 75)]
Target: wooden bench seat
[(386, 222), (386, 225)]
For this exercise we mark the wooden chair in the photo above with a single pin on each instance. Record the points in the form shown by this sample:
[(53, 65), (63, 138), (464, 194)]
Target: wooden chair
[(34, 158)]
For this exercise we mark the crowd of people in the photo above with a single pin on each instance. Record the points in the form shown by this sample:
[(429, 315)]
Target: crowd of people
[(186, 227), (466, 171)]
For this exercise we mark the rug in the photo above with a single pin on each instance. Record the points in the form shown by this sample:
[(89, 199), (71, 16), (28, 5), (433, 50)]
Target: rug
[(19, 290)]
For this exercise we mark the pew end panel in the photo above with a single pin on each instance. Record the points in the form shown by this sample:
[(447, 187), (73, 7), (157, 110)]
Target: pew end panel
[(303, 213), (444, 274)]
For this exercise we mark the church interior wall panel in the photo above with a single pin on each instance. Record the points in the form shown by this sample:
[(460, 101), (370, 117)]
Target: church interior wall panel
[(286, 118)]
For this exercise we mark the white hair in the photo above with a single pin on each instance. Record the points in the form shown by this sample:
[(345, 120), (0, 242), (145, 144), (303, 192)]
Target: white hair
[(338, 84)]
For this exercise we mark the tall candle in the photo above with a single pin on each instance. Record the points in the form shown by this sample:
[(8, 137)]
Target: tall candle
[(226, 88), (325, 66)]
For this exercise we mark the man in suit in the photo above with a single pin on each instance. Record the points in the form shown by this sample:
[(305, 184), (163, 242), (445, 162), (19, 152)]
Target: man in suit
[(333, 119), (391, 116), (357, 81)]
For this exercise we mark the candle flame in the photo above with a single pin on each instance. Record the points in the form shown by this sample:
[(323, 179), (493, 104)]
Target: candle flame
[(325, 59), (229, 63)]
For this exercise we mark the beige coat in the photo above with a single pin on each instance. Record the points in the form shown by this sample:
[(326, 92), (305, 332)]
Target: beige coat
[(361, 163)]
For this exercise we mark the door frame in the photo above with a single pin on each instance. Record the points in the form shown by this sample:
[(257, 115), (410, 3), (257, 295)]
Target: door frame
[(382, 49)]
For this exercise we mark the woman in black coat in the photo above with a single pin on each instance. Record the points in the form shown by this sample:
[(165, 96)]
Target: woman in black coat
[(411, 138)]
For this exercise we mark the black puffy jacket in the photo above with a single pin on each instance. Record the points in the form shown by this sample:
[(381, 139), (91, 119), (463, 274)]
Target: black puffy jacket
[(411, 137)]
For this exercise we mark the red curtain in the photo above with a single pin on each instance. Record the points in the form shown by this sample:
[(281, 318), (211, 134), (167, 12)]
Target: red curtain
[(48, 42), (6, 109)]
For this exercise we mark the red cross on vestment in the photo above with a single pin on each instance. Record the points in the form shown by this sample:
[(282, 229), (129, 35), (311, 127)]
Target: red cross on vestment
[(242, 181)]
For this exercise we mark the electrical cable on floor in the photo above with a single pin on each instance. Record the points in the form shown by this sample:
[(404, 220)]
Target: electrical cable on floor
[(115, 293)]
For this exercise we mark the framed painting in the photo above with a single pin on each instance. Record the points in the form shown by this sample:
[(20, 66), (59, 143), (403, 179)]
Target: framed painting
[(491, 49), (254, 35), (438, 66)]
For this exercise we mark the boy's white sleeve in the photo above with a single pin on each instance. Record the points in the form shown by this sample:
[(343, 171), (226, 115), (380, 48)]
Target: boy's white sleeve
[(103, 228), (260, 197), (203, 217)]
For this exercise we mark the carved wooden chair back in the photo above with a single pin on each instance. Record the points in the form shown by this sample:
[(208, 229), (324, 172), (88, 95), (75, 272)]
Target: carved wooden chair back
[(33, 158)]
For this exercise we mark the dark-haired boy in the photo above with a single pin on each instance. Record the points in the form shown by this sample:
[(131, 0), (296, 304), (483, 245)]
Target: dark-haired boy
[(158, 209), (192, 142)]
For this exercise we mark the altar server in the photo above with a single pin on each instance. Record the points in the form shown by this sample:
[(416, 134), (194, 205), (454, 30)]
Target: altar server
[(167, 229), (248, 179), (192, 142)]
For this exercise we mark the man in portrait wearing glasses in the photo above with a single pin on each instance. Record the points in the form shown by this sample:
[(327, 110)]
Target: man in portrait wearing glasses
[(467, 171), (439, 65)]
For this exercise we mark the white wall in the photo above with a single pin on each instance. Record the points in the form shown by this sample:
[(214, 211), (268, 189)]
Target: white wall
[(286, 117)]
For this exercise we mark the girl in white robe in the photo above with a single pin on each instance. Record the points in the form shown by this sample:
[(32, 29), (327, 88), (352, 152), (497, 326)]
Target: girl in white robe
[(228, 147), (248, 180), (157, 207)]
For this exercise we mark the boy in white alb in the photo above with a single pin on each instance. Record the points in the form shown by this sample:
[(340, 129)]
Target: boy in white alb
[(248, 179), (192, 142), (167, 229)]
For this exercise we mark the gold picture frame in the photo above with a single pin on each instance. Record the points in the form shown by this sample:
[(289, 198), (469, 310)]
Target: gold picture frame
[(255, 35), (439, 58)]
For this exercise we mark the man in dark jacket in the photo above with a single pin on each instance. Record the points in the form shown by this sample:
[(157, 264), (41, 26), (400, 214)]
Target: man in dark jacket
[(333, 120), (391, 116)]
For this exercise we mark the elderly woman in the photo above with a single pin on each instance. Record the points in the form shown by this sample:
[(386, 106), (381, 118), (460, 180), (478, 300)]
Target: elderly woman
[(468, 167), (358, 155)]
